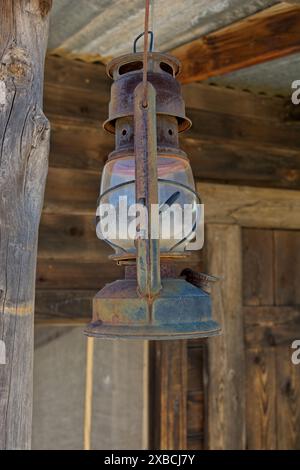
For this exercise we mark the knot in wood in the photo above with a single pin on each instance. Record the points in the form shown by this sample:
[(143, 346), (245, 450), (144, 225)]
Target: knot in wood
[(16, 64), (45, 7)]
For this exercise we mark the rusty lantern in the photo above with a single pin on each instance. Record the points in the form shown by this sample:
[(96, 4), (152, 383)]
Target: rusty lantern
[(148, 167)]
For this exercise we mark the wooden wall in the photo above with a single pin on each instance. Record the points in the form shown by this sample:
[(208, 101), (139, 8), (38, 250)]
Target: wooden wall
[(269, 417), (238, 139), (71, 260), (271, 273)]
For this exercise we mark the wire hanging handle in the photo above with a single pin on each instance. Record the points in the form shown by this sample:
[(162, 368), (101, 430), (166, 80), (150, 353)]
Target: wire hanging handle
[(150, 33)]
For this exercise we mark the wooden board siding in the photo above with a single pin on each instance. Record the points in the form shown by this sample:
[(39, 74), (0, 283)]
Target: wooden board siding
[(287, 267), (177, 419), (236, 137), (270, 316), (261, 399), (239, 150), (271, 325), (76, 100), (195, 395), (258, 255)]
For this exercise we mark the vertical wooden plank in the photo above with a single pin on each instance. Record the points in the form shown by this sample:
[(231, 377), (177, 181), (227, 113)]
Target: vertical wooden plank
[(225, 399), (195, 391), (288, 399), (24, 148), (261, 399), (257, 266), (287, 267), (168, 382)]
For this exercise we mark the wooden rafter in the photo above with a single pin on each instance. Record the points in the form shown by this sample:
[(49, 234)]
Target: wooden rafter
[(267, 35)]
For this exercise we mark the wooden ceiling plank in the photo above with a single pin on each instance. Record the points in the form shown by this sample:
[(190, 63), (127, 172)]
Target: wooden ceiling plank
[(267, 35)]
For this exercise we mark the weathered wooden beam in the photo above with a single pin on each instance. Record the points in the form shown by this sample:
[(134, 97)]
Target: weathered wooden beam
[(269, 34), (24, 137), (225, 397), (250, 207), (236, 150), (224, 203)]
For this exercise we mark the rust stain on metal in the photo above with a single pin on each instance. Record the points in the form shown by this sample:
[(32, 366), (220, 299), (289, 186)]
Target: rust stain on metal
[(151, 302)]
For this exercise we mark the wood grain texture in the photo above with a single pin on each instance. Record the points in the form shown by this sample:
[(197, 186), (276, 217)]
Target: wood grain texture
[(236, 136), (271, 326), (266, 35), (195, 414), (287, 392), (273, 381), (63, 307), (227, 128), (242, 164), (71, 191), (195, 365), (24, 146), (225, 100), (71, 238), (258, 267), (250, 207), (168, 385), (225, 391), (65, 274), (76, 192), (287, 267), (195, 395), (76, 145), (86, 33), (261, 399)]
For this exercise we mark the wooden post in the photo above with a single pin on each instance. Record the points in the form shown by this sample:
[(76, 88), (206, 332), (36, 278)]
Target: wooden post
[(24, 145), (225, 398)]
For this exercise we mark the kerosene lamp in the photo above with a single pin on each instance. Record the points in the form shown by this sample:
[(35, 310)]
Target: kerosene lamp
[(148, 168)]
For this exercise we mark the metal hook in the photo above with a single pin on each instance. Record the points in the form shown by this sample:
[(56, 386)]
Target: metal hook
[(139, 37)]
